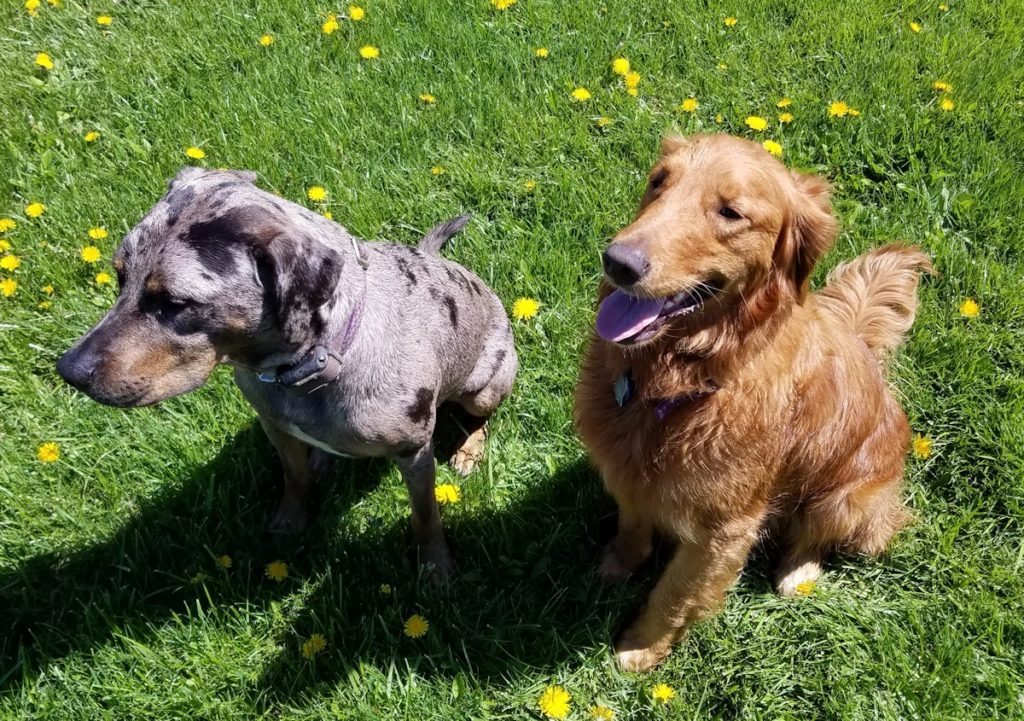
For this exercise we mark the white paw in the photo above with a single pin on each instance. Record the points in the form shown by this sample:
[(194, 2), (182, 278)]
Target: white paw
[(799, 581)]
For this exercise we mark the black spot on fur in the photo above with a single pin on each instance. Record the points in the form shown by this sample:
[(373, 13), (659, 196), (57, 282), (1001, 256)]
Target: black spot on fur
[(434, 293), (177, 202), (421, 410), (499, 358), (453, 310), (403, 266), (476, 287), (213, 242)]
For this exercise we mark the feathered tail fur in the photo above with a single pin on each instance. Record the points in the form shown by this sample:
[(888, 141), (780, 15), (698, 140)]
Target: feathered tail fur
[(437, 236)]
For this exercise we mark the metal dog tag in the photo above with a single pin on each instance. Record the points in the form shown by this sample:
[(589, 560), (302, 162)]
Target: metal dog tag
[(623, 388)]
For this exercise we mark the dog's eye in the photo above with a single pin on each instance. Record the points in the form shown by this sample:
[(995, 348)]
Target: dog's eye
[(729, 213), (658, 179), (164, 307)]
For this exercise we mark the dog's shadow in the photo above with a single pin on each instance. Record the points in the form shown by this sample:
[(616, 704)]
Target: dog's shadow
[(524, 595)]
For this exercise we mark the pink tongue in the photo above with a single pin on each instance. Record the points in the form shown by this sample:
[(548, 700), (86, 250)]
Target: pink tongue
[(622, 316)]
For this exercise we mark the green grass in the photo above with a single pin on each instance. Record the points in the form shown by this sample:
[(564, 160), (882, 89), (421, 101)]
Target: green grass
[(111, 602)]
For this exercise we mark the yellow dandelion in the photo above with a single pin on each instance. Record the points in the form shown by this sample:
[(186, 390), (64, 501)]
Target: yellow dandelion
[(416, 626), (195, 153), (10, 262), (756, 122), (943, 7), (446, 493), (90, 254), (369, 52), (541, 52), (731, 22), (805, 588), (620, 66), (313, 645), (838, 109), (103, 279), (525, 308), (277, 571), (44, 304), (328, 214), (8, 287), (554, 702), (947, 104), (970, 308), (356, 13), (854, 112), (4, 246), (915, 27), (437, 170), (34, 210), (631, 79), (581, 95), (723, 67), (428, 98), (785, 118), (385, 589), (48, 452), (32, 6), (503, 4), (601, 713), (104, 20), (44, 61), (7, 225), (266, 40), (719, 119), (663, 693), (942, 86), (603, 122), (317, 194), (772, 147), (784, 103), (330, 24), (224, 561), (97, 233), (689, 105), (922, 446), (530, 185), (92, 136), (48, 289)]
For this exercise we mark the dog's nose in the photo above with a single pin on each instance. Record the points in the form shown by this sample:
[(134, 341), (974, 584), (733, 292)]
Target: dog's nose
[(77, 368), (625, 264)]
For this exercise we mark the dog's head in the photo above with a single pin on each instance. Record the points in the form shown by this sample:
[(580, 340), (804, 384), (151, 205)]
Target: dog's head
[(720, 220), (217, 270)]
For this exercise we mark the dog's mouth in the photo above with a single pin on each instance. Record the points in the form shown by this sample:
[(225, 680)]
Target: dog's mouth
[(627, 319)]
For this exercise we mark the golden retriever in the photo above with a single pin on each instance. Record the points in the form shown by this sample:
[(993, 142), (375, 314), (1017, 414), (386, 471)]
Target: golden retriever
[(719, 399)]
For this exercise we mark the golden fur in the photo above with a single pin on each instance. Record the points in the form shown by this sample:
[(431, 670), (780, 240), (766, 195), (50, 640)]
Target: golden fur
[(803, 436)]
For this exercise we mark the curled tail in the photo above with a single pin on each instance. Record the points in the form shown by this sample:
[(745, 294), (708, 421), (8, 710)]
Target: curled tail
[(437, 236), (876, 295)]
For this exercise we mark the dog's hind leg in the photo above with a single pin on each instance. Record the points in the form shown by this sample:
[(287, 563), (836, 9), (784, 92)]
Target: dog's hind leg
[(293, 511), (418, 472)]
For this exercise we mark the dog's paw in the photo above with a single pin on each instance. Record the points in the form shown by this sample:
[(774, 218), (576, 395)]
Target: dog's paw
[(437, 561), (639, 659), (291, 517), (466, 458), (799, 580)]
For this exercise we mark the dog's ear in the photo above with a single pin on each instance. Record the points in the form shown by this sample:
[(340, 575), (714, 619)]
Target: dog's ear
[(247, 175), (672, 143), (185, 175), (808, 232)]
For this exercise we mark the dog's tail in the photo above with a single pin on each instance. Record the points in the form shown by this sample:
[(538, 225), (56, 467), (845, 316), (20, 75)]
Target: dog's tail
[(437, 236), (876, 295)]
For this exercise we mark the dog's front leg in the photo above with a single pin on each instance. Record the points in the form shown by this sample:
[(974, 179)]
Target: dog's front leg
[(293, 511), (418, 473), (692, 587)]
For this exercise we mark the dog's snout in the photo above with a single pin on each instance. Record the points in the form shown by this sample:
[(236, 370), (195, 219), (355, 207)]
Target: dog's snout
[(77, 368), (625, 264)]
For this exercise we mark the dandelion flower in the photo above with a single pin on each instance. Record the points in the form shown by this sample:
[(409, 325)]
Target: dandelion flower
[(620, 66), (756, 122), (719, 119), (103, 279), (601, 713), (731, 22), (48, 289), (689, 105), (503, 4), (554, 702), (785, 118), (385, 589), (525, 308), (922, 446), (947, 104), (7, 224), (943, 7), (663, 693), (34, 210), (970, 308), (97, 233), (631, 79), (446, 493), (92, 136), (915, 27), (277, 571), (10, 262), (530, 185), (723, 67), (603, 122), (195, 153), (48, 452), (44, 61), (330, 24), (313, 645), (428, 98), (437, 170), (581, 95), (267, 40), (805, 588), (838, 109), (8, 287), (541, 52), (356, 13), (32, 6), (784, 103), (416, 626), (854, 112), (369, 52), (773, 147), (44, 304), (104, 20), (942, 86), (90, 254), (4, 245), (317, 194), (224, 561), (328, 214)]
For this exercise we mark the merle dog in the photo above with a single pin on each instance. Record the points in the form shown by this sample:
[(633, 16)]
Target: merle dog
[(343, 347)]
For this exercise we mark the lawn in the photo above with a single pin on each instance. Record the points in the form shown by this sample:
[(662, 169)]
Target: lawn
[(114, 597)]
